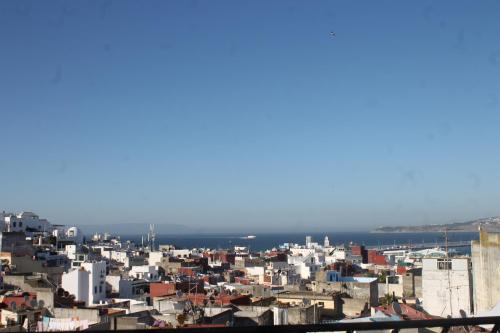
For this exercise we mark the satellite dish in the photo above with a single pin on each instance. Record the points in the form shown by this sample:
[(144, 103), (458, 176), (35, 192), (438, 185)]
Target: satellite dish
[(397, 308)]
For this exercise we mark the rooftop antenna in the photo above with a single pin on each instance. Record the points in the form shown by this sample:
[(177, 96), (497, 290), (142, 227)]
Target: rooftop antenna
[(446, 241), (153, 235), (448, 267)]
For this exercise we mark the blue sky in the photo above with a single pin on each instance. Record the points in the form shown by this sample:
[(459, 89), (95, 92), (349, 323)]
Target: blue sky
[(249, 115)]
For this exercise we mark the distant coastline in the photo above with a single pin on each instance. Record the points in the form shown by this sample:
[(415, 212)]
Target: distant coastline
[(420, 231), (468, 226)]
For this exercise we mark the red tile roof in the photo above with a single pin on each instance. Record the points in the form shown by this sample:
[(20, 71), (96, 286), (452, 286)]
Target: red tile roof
[(407, 312)]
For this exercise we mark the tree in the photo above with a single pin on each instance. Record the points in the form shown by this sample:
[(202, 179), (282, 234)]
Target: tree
[(387, 299)]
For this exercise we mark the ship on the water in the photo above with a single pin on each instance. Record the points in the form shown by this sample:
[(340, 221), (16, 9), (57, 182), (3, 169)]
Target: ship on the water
[(249, 237)]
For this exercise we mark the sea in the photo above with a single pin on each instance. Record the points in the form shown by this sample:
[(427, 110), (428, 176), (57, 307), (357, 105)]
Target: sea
[(267, 241)]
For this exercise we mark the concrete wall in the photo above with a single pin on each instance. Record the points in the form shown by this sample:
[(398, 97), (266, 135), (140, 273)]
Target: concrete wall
[(76, 282), (367, 292), (418, 286), (17, 281), (447, 291), (92, 315), (408, 284), (486, 270), (353, 307), (20, 281), (47, 297), (304, 315), (390, 288), (265, 318)]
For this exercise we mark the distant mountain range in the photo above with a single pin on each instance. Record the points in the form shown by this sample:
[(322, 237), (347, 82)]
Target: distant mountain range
[(469, 226)]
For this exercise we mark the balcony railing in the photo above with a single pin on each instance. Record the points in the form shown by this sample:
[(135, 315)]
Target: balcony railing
[(393, 326)]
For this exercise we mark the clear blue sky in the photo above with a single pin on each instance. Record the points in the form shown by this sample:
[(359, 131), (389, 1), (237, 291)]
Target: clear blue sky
[(249, 114)]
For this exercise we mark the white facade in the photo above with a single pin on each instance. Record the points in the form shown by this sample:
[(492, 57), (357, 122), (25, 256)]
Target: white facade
[(181, 253), (132, 288), (307, 270), (113, 283), (97, 281), (326, 243), (336, 254), (119, 256), (25, 221), (308, 241), (76, 282), (256, 271), (447, 286), (145, 272), (70, 251), (155, 258)]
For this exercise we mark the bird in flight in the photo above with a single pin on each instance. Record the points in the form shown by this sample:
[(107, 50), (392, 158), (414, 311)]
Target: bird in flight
[(333, 34)]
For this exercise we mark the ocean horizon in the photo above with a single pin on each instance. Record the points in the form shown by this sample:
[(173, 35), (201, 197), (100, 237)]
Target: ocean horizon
[(269, 240)]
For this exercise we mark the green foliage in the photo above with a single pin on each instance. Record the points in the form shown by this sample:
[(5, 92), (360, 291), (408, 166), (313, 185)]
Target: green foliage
[(387, 299)]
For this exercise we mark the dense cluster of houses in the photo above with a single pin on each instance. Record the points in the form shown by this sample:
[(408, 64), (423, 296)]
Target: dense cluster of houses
[(53, 279)]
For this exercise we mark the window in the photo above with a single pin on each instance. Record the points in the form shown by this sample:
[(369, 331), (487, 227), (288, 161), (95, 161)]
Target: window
[(14, 224), (95, 290), (444, 264), (20, 224), (100, 289)]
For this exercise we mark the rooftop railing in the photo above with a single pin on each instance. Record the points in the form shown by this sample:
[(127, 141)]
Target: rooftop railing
[(393, 326)]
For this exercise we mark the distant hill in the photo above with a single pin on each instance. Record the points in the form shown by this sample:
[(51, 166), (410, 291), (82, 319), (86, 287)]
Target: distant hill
[(469, 226), (135, 229)]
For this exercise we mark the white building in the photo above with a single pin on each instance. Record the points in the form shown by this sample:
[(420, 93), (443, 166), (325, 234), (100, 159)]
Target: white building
[(76, 282), (73, 234), (87, 283), (145, 272), (326, 243), (97, 280), (119, 256), (180, 253), (257, 272), (155, 258), (132, 288), (308, 241), (25, 221), (307, 270), (447, 286), (70, 251)]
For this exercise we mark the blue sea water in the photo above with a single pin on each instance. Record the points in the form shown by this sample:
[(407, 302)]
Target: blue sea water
[(268, 241)]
